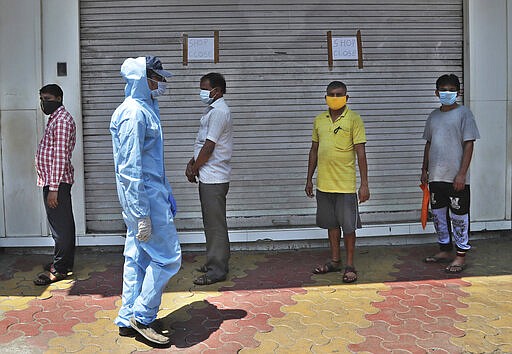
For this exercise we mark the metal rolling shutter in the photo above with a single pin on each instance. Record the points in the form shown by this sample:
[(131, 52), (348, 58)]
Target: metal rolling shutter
[(274, 57)]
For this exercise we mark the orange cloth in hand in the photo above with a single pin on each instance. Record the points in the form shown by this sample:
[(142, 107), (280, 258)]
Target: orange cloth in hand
[(424, 204)]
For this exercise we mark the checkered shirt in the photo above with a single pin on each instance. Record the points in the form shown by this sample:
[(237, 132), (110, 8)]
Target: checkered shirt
[(53, 158)]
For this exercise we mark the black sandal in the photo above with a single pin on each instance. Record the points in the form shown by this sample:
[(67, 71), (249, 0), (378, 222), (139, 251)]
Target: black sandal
[(206, 280), (346, 278), (329, 267), (48, 267), (455, 268), (203, 269), (44, 279)]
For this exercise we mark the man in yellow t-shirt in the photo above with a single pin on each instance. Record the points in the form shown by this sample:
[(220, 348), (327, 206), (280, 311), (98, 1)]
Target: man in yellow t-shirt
[(338, 137)]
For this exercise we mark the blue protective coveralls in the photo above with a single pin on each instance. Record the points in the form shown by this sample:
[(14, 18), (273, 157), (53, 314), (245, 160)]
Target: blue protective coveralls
[(143, 191)]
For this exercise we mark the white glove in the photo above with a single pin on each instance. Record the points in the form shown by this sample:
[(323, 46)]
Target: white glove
[(144, 230)]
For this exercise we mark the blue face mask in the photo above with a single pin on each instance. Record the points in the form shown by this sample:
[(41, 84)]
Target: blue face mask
[(447, 98)]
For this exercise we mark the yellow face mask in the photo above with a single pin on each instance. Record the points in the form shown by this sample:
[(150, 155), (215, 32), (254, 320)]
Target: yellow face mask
[(336, 103)]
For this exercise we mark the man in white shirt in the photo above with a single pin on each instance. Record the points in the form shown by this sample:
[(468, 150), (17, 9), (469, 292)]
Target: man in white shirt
[(211, 165)]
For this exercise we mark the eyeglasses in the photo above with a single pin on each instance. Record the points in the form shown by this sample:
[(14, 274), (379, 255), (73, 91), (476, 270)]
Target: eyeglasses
[(337, 129)]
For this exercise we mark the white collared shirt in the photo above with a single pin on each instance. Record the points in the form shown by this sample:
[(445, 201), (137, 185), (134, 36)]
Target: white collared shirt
[(216, 125)]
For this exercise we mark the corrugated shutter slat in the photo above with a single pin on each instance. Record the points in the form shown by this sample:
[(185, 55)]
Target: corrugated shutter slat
[(274, 57)]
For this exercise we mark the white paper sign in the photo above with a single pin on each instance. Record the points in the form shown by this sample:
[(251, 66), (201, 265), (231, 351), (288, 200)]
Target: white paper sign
[(344, 48), (200, 49)]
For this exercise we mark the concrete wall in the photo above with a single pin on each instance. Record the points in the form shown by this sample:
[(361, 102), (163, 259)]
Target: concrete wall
[(61, 44), (488, 95), (34, 35), (20, 120)]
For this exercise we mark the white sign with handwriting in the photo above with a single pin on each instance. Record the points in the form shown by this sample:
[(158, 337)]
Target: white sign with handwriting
[(201, 49), (344, 48)]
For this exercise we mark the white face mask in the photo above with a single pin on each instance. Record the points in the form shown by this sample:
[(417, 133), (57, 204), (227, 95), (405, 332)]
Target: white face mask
[(160, 91), (204, 95)]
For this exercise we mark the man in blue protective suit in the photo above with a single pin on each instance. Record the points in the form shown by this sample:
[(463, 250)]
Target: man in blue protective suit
[(152, 250)]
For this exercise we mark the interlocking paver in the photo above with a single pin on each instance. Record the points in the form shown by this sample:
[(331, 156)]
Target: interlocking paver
[(416, 312), (418, 303), (272, 303)]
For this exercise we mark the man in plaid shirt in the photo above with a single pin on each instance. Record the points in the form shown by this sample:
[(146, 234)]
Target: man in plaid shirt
[(55, 175)]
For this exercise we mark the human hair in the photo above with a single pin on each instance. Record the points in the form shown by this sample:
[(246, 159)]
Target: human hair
[(150, 73), (216, 80), (52, 89), (448, 79), (336, 84)]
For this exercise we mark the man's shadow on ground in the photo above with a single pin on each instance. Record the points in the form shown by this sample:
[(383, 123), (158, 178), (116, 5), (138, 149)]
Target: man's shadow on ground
[(192, 324)]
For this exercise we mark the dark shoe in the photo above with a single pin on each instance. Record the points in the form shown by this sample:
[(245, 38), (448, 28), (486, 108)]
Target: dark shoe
[(203, 269), (148, 332), (206, 280), (45, 279), (127, 332), (48, 267)]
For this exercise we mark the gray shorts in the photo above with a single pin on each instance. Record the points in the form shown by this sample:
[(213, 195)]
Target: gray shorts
[(337, 210)]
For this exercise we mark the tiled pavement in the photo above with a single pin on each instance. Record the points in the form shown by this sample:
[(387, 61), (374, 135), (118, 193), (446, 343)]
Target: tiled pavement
[(272, 303)]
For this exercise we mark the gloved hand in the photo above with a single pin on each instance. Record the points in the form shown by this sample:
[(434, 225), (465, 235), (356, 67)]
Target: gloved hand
[(174, 206), (144, 229)]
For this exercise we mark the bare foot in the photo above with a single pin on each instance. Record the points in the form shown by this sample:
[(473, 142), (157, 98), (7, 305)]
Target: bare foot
[(439, 257), (457, 265)]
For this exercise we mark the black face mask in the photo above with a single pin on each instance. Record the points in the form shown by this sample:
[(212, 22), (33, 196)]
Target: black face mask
[(49, 107)]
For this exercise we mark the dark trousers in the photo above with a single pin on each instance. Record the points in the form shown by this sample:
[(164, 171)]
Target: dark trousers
[(213, 208), (62, 225)]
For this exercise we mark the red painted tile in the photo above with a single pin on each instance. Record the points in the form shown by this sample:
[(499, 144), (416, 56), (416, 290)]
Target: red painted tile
[(411, 327), (447, 311), (225, 348), (405, 342), (391, 302), (387, 315), (24, 316), (56, 315), (260, 322), (444, 325), (211, 342), (379, 329), (41, 340), (422, 301), (230, 327), (107, 303), (6, 322), (28, 329), (10, 336), (253, 299), (245, 337), (371, 344), (86, 315), (398, 292), (417, 312), (420, 306), (439, 344), (423, 289), (61, 328)]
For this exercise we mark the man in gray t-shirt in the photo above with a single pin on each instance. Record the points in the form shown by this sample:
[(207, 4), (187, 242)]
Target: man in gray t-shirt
[(450, 132)]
